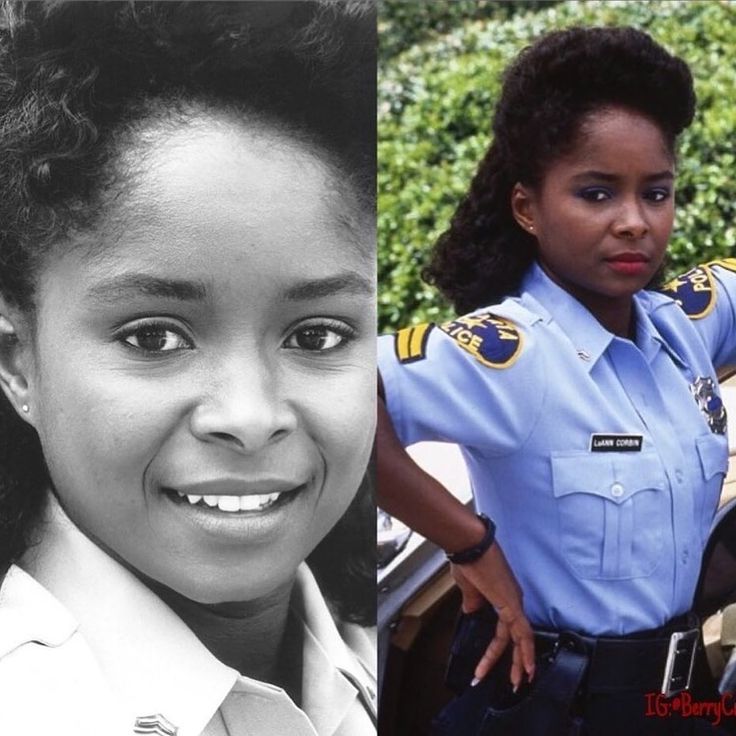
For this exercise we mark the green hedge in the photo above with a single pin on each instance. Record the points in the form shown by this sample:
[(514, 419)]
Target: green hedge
[(404, 23), (435, 101)]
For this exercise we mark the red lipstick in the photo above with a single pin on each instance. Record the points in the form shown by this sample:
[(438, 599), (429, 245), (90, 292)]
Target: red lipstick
[(630, 263)]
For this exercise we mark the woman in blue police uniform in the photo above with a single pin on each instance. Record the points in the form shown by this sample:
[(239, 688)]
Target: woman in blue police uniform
[(586, 407)]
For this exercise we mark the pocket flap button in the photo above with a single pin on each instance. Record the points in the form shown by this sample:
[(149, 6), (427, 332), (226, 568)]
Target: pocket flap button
[(617, 490)]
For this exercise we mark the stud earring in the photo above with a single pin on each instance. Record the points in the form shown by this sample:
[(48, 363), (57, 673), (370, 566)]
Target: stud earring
[(25, 408)]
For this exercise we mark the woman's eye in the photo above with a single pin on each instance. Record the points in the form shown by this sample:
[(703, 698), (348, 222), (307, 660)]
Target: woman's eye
[(155, 338), (595, 194), (318, 338), (657, 195)]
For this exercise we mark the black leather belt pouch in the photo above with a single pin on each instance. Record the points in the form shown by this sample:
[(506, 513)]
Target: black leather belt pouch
[(491, 708)]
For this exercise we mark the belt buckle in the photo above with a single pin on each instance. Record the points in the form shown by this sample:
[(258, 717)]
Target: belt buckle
[(680, 659)]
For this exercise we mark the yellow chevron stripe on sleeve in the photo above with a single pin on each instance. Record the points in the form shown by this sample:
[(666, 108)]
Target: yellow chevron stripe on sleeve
[(417, 342), (411, 343)]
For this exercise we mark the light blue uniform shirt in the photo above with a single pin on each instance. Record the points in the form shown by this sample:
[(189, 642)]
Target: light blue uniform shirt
[(599, 465)]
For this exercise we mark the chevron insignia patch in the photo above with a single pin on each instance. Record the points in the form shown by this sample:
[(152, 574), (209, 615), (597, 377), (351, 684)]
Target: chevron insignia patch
[(410, 344), (157, 725)]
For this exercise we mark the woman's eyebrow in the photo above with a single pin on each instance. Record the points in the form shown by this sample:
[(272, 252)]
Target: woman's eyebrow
[(348, 282), (608, 176), (128, 285)]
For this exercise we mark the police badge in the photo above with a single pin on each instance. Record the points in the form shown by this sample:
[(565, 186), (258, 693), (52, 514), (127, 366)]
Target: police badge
[(709, 403)]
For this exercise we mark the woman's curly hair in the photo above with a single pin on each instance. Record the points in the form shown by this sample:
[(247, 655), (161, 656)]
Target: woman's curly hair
[(75, 76), (548, 91)]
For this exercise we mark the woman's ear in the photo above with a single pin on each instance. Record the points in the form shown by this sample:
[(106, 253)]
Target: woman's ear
[(15, 364), (522, 207)]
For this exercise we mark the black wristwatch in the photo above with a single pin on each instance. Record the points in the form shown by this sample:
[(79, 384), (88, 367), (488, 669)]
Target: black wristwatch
[(464, 556)]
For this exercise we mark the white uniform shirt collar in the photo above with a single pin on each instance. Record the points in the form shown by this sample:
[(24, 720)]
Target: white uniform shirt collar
[(151, 660)]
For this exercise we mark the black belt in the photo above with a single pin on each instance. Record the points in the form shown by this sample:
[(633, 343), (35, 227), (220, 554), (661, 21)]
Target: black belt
[(570, 667), (659, 662)]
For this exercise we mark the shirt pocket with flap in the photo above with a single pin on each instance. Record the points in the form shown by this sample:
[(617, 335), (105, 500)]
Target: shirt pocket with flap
[(613, 512)]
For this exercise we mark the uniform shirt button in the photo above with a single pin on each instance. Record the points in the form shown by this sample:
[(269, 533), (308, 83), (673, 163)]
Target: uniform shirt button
[(617, 490), (678, 475), (685, 556)]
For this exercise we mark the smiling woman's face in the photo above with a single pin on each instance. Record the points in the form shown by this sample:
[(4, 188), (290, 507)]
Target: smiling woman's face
[(202, 379)]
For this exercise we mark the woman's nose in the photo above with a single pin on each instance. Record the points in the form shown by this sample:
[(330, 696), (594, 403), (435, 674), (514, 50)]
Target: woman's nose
[(244, 409), (631, 223)]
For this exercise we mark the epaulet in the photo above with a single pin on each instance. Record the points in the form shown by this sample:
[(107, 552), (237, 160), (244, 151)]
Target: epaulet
[(695, 291), (494, 341)]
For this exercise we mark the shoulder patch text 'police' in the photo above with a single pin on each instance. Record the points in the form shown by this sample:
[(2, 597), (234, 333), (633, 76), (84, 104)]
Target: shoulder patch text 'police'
[(492, 340), (410, 344), (694, 291)]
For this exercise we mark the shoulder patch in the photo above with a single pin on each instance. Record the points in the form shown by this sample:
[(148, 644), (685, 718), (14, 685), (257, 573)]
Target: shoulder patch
[(410, 344), (694, 291), (493, 341)]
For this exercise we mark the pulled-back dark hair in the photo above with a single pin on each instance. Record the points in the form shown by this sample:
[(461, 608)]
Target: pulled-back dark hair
[(75, 75), (548, 91)]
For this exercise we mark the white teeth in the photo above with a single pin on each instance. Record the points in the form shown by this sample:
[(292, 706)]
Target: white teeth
[(271, 498), (249, 503), (228, 503), (255, 502), (191, 499)]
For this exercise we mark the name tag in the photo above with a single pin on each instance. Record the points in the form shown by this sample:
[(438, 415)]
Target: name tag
[(616, 442)]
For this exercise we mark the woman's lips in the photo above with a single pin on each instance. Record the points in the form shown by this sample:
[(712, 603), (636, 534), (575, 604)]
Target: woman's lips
[(258, 517), (630, 264)]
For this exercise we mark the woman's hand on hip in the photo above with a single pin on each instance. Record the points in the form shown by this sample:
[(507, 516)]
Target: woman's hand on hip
[(490, 579)]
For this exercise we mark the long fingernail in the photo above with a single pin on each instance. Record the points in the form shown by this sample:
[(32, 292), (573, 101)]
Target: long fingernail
[(474, 681), (515, 688)]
